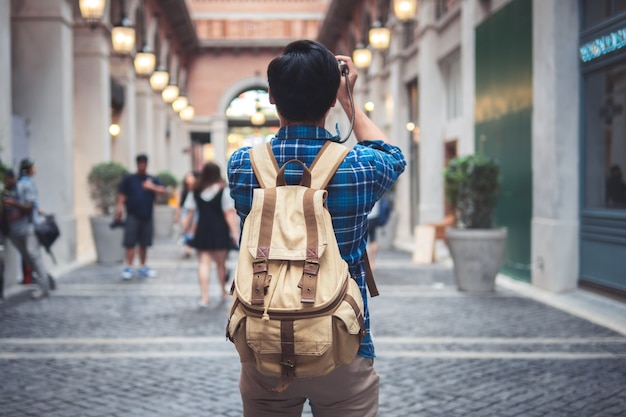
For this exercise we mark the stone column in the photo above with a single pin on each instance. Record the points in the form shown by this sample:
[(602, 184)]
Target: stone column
[(158, 163), (92, 99), (42, 92), (431, 120), (180, 145), (145, 123), (555, 124), (125, 145), (219, 138), (400, 137), (5, 83)]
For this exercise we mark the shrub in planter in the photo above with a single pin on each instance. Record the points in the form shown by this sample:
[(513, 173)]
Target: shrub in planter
[(472, 185), (104, 179)]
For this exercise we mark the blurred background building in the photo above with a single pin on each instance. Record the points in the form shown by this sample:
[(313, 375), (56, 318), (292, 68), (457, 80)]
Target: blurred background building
[(537, 85)]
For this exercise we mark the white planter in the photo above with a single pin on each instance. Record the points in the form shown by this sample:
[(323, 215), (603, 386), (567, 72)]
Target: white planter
[(477, 256), (163, 221), (108, 241)]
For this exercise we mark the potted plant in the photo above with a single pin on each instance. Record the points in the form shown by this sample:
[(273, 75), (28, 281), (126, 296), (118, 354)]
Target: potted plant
[(472, 186), (163, 211), (103, 180)]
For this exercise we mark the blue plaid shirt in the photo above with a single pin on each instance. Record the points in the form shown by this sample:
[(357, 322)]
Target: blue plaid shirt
[(367, 172)]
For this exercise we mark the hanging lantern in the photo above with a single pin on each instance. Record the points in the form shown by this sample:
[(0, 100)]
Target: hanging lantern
[(159, 79), (145, 61), (379, 36), (92, 10), (362, 57), (187, 113), (180, 103), (257, 118), (170, 93), (123, 37), (405, 10)]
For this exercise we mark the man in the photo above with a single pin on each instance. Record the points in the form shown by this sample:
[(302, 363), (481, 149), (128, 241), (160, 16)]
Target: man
[(304, 83), (137, 193), (20, 208)]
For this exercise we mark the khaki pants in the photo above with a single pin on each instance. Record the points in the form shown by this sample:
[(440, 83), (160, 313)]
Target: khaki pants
[(349, 391)]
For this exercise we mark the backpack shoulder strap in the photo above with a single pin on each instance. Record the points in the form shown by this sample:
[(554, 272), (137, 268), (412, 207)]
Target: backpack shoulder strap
[(326, 163), (264, 165)]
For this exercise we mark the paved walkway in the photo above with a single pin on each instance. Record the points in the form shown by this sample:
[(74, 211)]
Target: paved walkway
[(103, 347)]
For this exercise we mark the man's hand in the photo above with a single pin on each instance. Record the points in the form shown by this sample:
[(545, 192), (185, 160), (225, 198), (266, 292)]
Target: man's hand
[(151, 186)]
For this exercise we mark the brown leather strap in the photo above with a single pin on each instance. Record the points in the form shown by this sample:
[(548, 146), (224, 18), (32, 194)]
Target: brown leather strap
[(308, 283), (369, 277), (359, 314), (259, 281), (288, 355)]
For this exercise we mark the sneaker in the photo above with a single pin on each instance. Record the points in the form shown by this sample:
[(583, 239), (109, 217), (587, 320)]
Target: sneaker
[(127, 273), (145, 272), (39, 294)]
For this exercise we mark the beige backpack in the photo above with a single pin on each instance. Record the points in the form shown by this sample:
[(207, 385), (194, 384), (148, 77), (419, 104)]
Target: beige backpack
[(296, 310)]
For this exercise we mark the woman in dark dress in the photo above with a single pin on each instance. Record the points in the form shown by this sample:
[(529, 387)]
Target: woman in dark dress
[(216, 229)]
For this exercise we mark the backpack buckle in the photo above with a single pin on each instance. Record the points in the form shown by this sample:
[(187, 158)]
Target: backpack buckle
[(311, 267)]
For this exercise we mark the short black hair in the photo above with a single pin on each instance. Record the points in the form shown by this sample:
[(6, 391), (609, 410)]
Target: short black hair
[(303, 81), (142, 157), (25, 165), (9, 173)]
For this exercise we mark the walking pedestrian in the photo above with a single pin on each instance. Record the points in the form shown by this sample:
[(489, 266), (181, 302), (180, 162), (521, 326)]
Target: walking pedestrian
[(136, 193), (304, 83), (216, 229), (20, 209), (181, 217)]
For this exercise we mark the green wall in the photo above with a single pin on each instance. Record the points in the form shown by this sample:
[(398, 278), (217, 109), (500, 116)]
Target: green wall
[(503, 122)]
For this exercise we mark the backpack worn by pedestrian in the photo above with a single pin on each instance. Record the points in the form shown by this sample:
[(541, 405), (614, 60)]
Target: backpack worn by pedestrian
[(296, 311)]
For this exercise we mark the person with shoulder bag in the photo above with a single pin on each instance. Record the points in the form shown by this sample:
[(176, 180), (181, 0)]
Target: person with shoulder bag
[(21, 208)]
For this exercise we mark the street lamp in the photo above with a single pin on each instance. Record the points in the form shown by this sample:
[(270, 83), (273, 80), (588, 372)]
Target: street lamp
[(145, 60), (362, 57), (123, 36), (405, 10), (92, 10), (159, 79), (257, 118), (187, 113), (379, 36), (180, 103), (170, 93)]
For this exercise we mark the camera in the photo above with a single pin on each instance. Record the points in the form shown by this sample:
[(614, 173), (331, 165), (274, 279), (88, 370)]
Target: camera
[(343, 68)]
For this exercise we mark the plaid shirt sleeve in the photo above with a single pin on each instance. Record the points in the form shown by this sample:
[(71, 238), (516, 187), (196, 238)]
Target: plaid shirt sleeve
[(367, 172)]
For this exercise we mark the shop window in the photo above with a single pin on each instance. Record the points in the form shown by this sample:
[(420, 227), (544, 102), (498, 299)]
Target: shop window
[(605, 138), (451, 67), (597, 11)]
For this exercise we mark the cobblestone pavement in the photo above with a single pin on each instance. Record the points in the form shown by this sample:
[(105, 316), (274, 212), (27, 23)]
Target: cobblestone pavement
[(101, 346)]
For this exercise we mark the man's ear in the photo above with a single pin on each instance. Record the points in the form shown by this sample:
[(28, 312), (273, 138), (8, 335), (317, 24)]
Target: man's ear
[(272, 101)]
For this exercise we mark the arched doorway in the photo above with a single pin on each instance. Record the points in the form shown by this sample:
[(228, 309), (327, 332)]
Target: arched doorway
[(251, 119)]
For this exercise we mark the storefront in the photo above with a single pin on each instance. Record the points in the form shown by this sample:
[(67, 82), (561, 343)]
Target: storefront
[(603, 144)]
